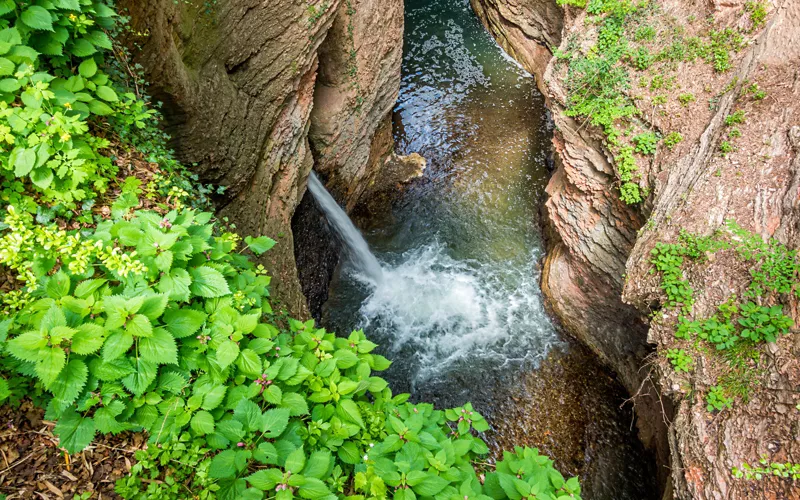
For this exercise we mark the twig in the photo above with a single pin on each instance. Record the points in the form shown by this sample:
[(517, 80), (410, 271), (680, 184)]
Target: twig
[(21, 460)]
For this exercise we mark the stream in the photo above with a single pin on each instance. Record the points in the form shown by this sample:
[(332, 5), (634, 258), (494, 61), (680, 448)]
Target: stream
[(450, 286)]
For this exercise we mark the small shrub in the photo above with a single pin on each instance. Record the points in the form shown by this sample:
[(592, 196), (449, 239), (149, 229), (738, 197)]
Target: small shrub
[(725, 147), (685, 99), (642, 58), (644, 34), (716, 400), (646, 143), (673, 139), (735, 118), (762, 323), (680, 361), (758, 12)]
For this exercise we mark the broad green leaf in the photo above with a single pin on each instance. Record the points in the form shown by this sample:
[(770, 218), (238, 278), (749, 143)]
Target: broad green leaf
[(139, 326), (295, 403), (6, 67), (249, 414), (214, 397), (83, 48), (37, 18), (87, 68), (313, 489), (265, 480), (106, 93), (50, 363), (259, 245), (296, 461), (202, 423), (318, 464), (430, 485), (42, 177), (249, 363), (184, 322), (143, 375), (74, 432), (88, 287), (69, 384), (274, 422), (176, 284), (160, 348), (208, 282), (117, 344), (223, 465), (348, 410), (227, 352), (9, 85), (26, 158), (153, 306), (100, 108)]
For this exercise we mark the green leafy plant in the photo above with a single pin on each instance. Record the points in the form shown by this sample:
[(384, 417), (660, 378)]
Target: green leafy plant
[(725, 147), (680, 360), (685, 99), (716, 400), (766, 469), (735, 118), (758, 12), (673, 139), (646, 143)]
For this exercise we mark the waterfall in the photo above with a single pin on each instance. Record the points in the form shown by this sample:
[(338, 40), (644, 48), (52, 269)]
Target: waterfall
[(357, 249)]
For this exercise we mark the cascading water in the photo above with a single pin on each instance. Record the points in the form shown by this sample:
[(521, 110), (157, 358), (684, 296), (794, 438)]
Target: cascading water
[(450, 289), (358, 250)]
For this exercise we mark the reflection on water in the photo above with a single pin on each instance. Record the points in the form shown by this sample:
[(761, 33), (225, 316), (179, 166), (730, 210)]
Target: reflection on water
[(460, 302)]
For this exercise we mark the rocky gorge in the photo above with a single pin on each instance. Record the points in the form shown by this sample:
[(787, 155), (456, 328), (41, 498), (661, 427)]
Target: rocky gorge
[(298, 84)]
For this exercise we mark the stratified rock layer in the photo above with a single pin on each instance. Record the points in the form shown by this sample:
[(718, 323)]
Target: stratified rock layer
[(244, 84)]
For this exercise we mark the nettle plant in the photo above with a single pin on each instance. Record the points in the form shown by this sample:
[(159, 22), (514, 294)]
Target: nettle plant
[(50, 87)]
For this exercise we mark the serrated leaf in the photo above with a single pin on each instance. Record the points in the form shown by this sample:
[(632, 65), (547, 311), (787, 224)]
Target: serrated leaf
[(117, 344), (348, 410), (274, 422), (37, 18), (223, 465), (153, 306), (208, 282), (139, 326), (144, 372), (295, 403), (249, 414), (184, 322), (88, 287), (26, 158), (227, 352), (249, 363), (295, 461), (50, 363), (265, 480), (69, 384), (176, 285), (318, 464), (84, 48), (202, 423), (74, 432), (160, 348), (214, 397)]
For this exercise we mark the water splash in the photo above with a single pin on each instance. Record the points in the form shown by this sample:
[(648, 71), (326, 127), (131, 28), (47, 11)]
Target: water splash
[(354, 244)]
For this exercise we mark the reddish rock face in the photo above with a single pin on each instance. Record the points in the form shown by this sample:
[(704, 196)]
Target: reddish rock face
[(246, 84), (596, 274)]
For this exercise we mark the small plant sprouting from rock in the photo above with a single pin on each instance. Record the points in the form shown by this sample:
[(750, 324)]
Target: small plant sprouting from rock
[(646, 143), (716, 400), (673, 139), (766, 469), (680, 360)]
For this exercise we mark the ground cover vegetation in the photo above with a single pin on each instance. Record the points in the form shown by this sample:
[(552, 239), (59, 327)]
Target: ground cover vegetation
[(129, 307), (632, 46)]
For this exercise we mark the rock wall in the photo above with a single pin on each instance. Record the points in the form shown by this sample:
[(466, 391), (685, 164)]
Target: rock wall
[(596, 274), (246, 83)]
